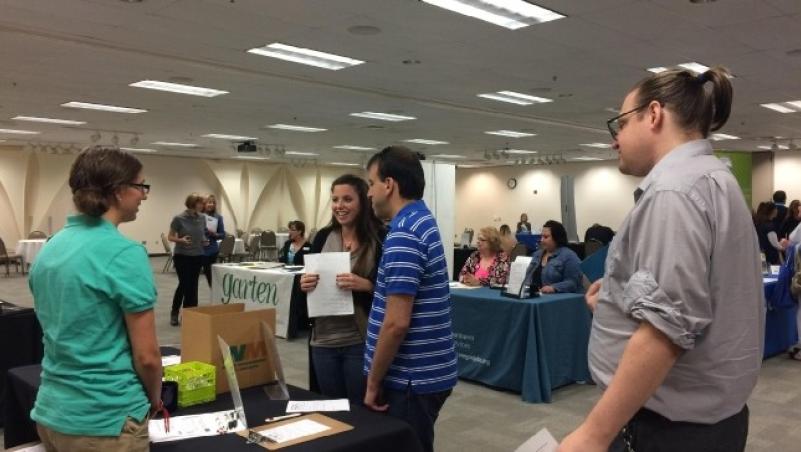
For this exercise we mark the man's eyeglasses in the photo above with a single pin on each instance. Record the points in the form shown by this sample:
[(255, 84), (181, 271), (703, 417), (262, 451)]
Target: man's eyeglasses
[(614, 125), (144, 188)]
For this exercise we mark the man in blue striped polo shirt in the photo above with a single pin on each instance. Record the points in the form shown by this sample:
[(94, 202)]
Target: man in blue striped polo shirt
[(410, 360)]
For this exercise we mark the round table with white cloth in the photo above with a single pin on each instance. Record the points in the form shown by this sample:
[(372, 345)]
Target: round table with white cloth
[(29, 249)]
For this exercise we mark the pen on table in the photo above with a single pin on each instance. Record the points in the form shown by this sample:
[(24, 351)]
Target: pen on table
[(281, 418)]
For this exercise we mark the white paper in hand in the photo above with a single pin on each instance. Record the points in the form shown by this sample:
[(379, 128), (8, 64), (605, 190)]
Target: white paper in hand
[(328, 299), (543, 441)]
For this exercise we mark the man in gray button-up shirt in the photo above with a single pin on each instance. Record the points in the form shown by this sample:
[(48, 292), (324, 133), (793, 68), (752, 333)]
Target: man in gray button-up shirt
[(678, 330)]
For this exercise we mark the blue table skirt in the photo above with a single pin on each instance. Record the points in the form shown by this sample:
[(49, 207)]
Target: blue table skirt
[(532, 241), (781, 332), (528, 346)]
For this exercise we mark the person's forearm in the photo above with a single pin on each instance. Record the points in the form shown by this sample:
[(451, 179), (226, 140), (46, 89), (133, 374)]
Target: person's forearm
[(149, 371), (774, 241), (645, 363), (389, 340)]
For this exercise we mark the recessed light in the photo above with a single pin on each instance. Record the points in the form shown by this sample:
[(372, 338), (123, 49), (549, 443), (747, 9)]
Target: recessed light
[(178, 88), (783, 147), (305, 56), (518, 151), (597, 145), (19, 132), (174, 144), (354, 148), (510, 133), (695, 67), (145, 150), (722, 136), (49, 120), (344, 164), (794, 103), (102, 107), (781, 108), (515, 98), (424, 141), (657, 70), (586, 159), (247, 157), (296, 128), (511, 14), (223, 136), (383, 116), (448, 156), (302, 154)]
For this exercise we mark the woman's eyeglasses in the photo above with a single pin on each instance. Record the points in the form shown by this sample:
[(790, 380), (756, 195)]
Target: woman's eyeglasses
[(144, 188)]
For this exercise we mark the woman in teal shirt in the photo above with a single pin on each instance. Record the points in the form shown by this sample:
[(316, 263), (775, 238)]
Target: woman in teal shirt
[(94, 294)]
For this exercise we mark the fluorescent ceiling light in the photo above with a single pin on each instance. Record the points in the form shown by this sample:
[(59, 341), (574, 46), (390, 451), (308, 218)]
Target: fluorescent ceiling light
[(101, 107), (469, 165), (518, 151), (223, 136), (657, 70), (423, 141), (344, 164), (694, 67), (780, 108), (247, 157), (302, 154), (178, 88), (597, 145), (783, 147), (296, 128), (354, 148), (19, 132), (723, 136), (449, 156), (138, 150), (515, 98), (511, 14), (174, 144), (586, 159), (305, 56), (48, 120), (510, 133), (795, 103), (383, 116)]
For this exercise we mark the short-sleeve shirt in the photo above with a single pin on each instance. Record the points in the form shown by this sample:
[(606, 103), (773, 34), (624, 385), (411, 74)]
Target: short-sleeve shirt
[(84, 281), (193, 225), (413, 263)]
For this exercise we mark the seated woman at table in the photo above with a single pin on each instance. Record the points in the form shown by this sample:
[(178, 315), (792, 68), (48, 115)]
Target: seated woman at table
[(508, 240), (554, 267), (523, 225), (489, 264), (94, 294), (337, 342), (296, 246), (215, 230)]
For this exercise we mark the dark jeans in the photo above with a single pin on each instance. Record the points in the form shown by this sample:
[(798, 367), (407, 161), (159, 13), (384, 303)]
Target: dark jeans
[(650, 432), (188, 269), (208, 261), (339, 372), (420, 411)]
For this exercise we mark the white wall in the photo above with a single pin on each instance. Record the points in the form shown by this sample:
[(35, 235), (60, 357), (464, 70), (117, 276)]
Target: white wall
[(602, 195), (787, 174), (440, 197)]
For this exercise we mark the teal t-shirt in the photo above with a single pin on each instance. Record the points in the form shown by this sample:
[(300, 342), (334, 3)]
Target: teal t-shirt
[(83, 282)]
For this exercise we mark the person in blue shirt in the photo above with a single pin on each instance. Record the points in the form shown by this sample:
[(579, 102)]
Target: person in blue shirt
[(554, 267), (410, 360)]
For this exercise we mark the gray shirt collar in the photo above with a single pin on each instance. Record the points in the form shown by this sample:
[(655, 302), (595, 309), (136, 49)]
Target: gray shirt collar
[(676, 157)]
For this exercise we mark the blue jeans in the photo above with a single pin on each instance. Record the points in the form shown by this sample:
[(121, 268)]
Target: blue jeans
[(420, 411), (339, 372)]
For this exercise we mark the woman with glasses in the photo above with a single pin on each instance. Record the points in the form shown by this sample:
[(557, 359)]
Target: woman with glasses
[(554, 267), (337, 342), (188, 232), (94, 295), (489, 264), (215, 230), (296, 247)]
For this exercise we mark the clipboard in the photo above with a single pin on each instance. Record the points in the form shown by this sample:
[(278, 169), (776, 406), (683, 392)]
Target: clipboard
[(334, 427)]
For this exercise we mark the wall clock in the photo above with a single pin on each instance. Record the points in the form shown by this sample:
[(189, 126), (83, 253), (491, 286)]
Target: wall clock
[(511, 183)]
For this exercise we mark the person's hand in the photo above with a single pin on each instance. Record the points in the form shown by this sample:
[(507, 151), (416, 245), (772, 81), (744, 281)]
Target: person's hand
[(470, 280), (308, 281), (548, 289), (784, 243), (155, 407), (579, 441), (349, 281), (591, 297), (212, 232), (372, 397), (186, 240)]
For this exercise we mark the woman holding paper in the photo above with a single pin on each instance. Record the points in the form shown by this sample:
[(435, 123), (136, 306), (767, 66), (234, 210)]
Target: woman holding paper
[(554, 267), (337, 342), (489, 265), (215, 230), (94, 295)]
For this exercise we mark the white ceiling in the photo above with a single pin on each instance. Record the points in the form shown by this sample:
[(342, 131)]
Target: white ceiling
[(91, 50)]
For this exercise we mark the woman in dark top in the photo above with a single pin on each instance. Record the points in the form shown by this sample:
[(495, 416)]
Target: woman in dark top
[(792, 220), (554, 267), (523, 225), (337, 342), (766, 232), (215, 230), (296, 247)]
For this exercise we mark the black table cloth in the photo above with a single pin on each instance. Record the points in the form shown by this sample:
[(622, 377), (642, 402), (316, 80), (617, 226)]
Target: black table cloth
[(20, 342)]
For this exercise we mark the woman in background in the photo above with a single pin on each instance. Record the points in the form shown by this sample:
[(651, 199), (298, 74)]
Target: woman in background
[(215, 230), (188, 232), (337, 342), (94, 294), (768, 239), (508, 240), (554, 267), (296, 247), (792, 220), (523, 225), (489, 264)]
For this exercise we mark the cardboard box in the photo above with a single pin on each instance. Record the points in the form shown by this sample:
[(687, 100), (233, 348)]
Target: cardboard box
[(241, 330)]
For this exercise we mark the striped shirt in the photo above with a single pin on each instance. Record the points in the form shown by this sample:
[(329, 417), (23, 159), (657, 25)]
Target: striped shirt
[(414, 264)]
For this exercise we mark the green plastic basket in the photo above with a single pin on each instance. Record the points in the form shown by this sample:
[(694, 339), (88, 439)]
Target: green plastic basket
[(197, 382)]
